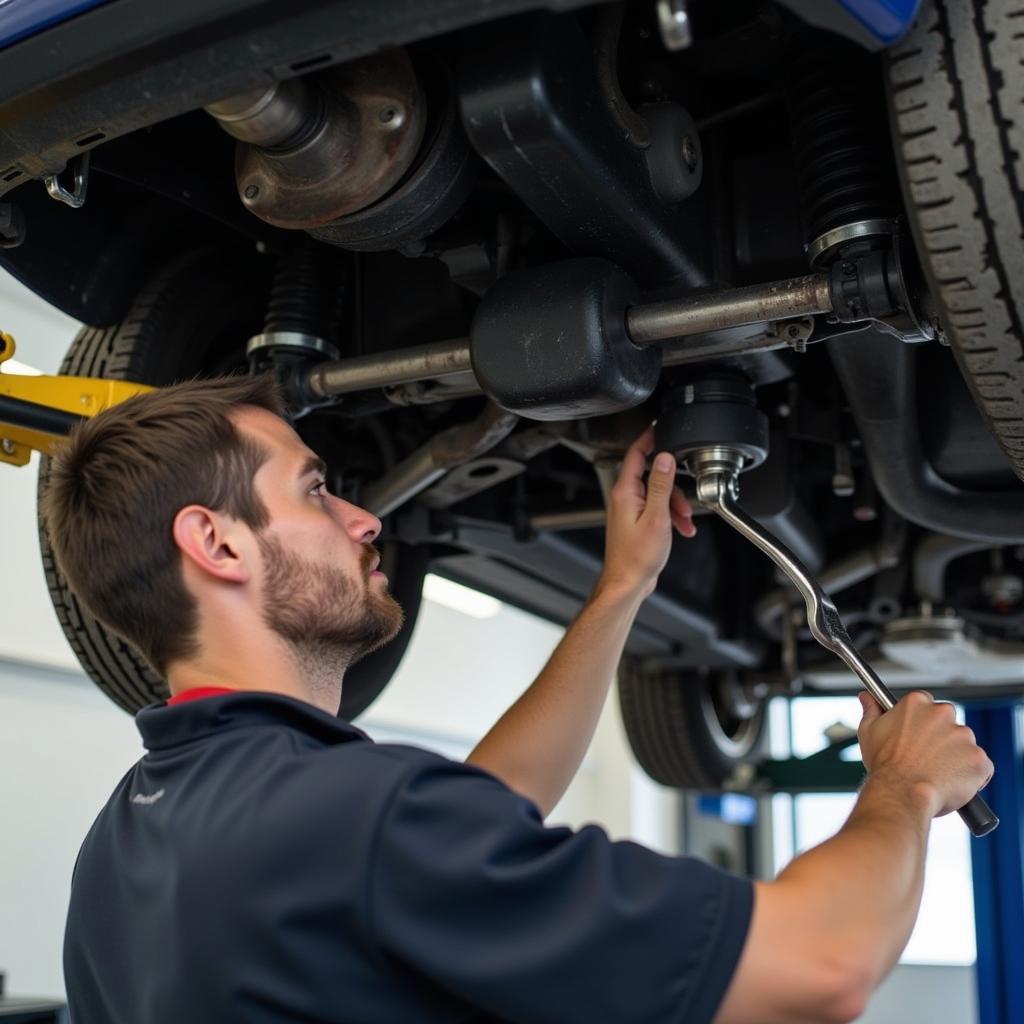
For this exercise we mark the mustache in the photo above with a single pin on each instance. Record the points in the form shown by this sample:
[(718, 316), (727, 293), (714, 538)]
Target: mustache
[(369, 556)]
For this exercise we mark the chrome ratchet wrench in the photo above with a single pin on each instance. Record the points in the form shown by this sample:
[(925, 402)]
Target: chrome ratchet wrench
[(715, 470)]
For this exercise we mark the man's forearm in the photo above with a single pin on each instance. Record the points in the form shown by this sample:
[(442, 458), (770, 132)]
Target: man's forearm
[(864, 885), (537, 746), (827, 931)]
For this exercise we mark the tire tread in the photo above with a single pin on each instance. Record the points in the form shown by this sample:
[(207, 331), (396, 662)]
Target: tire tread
[(957, 100)]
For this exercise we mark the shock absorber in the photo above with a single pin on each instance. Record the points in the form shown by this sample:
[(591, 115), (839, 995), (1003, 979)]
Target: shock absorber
[(302, 319), (846, 173), (302, 299), (848, 187)]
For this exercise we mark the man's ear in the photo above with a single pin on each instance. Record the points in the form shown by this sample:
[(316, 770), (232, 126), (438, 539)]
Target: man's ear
[(211, 542)]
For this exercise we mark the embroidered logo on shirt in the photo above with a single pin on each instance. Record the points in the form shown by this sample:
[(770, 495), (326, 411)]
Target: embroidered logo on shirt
[(147, 798)]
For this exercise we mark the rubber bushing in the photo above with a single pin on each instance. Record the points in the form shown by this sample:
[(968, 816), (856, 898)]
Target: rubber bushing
[(551, 344), (713, 412)]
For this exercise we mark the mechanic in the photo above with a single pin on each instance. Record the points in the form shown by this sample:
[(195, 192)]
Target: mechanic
[(265, 861)]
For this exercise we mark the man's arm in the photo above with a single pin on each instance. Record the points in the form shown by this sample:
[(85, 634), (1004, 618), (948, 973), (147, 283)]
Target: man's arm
[(829, 929), (537, 746)]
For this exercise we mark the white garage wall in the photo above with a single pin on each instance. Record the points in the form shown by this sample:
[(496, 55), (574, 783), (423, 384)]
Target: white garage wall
[(63, 748), (41, 331), (920, 994), (28, 624)]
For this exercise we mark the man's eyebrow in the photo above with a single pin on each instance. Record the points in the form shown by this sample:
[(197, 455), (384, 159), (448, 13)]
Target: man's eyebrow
[(314, 464)]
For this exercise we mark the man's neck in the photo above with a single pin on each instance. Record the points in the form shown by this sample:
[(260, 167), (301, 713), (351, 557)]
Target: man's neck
[(269, 671)]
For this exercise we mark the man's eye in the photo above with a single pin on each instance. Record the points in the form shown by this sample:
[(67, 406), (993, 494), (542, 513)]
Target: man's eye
[(319, 488)]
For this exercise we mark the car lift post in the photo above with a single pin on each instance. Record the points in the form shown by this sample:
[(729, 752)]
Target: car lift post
[(997, 865)]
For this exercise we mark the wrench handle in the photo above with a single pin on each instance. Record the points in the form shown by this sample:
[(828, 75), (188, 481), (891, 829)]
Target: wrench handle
[(978, 816), (826, 625)]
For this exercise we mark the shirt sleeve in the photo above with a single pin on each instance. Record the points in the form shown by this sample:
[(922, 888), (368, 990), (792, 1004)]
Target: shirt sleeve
[(469, 889)]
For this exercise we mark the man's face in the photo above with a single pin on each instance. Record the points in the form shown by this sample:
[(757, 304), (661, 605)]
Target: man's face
[(320, 592)]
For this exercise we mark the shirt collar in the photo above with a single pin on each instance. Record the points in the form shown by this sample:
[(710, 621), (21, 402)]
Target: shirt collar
[(163, 725)]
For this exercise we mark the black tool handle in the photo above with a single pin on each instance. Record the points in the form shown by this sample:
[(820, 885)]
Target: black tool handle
[(978, 816), (34, 416)]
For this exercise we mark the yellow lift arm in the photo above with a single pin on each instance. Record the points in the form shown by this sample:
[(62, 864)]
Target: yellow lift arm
[(27, 427)]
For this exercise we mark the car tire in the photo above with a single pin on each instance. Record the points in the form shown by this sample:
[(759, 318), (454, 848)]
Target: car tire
[(193, 318), (684, 729), (956, 96)]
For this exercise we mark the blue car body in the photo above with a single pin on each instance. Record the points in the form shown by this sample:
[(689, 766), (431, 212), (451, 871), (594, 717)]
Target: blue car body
[(22, 18), (874, 23)]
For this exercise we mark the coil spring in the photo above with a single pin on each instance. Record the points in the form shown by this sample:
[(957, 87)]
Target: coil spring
[(844, 161), (306, 295)]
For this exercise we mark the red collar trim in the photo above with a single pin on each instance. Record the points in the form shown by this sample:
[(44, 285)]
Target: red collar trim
[(198, 692)]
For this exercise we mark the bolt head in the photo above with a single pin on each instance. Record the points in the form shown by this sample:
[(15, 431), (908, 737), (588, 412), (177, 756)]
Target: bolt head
[(251, 191), (391, 117), (843, 485)]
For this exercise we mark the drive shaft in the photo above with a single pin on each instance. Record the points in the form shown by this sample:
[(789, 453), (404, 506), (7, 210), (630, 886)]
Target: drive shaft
[(647, 324)]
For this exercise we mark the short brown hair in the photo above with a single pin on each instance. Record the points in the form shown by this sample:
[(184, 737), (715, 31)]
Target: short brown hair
[(115, 487)]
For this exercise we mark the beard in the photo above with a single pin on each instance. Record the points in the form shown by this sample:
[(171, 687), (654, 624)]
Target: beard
[(329, 618)]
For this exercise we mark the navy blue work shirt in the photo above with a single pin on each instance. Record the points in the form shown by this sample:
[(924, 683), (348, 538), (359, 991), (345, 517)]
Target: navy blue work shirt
[(267, 862)]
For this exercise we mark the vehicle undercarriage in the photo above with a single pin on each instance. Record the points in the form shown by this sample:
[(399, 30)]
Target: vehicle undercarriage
[(482, 255)]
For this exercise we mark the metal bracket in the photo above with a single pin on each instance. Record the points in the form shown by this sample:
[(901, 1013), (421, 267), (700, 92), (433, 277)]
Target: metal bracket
[(794, 333), (80, 176), (44, 407), (821, 772), (437, 457)]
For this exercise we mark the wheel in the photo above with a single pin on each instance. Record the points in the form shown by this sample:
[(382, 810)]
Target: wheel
[(193, 318), (689, 730), (956, 95)]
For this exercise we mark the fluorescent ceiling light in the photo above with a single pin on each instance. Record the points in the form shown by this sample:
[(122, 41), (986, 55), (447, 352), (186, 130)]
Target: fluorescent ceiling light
[(460, 598)]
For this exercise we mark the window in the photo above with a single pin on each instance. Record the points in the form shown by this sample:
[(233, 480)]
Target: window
[(944, 933)]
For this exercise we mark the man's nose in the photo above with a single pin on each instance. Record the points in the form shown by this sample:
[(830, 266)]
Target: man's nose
[(363, 526)]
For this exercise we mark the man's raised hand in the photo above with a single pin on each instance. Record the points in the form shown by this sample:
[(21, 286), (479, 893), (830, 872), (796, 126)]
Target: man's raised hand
[(640, 518)]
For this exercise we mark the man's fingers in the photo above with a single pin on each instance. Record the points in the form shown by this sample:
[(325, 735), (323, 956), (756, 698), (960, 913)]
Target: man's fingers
[(680, 503), (871, 708), (645, 441), (682, 513), (684, 526), (661, 481), (634, 463)]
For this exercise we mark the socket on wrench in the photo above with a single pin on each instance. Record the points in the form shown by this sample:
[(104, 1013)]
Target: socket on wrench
[(716, 470)]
